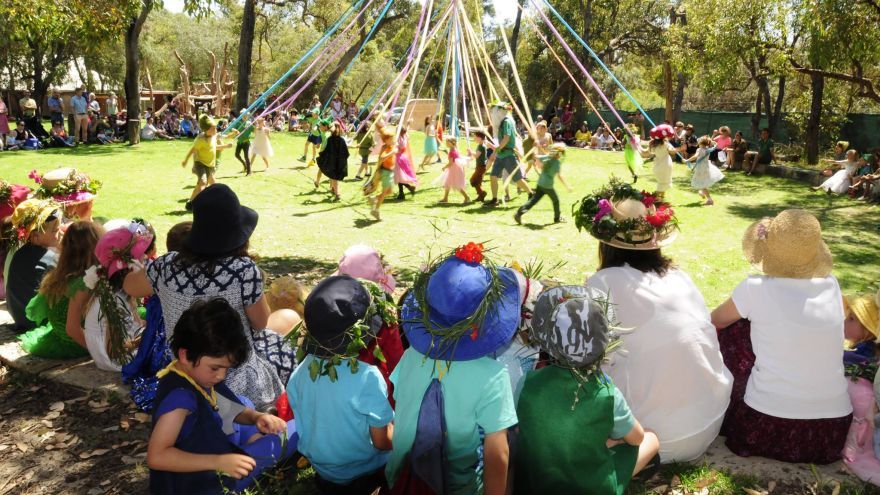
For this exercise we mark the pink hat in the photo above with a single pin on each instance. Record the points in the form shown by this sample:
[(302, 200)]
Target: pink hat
[(118, 248), (362, 261), (16, 194), (662, 131)]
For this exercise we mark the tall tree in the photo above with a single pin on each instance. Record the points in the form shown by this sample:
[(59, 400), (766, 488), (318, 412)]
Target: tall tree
[(132, 70), (245, 53)]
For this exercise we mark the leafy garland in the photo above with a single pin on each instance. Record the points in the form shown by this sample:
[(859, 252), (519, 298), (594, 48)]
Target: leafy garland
[(5, 191), (118, 348), (445, 338), (593, 213), (68, 189), (380, 305)]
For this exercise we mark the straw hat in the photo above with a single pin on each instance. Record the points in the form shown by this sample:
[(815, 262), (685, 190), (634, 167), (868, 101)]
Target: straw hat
[(865, 309), (788, 245), (638, 241)]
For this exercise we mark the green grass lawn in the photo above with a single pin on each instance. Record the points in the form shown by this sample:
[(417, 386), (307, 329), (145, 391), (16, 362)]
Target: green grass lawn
[(302, 232)]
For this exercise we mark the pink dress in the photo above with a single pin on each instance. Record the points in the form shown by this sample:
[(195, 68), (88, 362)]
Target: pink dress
[(4, 119), (858, 452), (453, 177), (403, 171)]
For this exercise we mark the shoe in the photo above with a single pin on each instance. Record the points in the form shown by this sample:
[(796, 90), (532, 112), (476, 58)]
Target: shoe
[(709, 202), (358, 178), (188, 206), (311, 163), (531, 194), (635, 178), (412, 190), (481, 197), (507, 198), (375, 214), (491, 202), (518, 217), (302, 158), (401, 197)]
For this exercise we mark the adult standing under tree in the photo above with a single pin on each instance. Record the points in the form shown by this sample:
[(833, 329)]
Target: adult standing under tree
[(505, 152), (80, 116), (112, 104), (30, 115), (56, 107)]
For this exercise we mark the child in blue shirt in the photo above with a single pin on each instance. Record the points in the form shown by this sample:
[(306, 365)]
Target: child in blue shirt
[(341, 404), (200, 427)]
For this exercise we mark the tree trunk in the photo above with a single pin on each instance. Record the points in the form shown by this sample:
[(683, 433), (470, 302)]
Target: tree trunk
[(776, 117), (562, 89), (330, 84), (817, 86), (514, 37), (756, 116), (678, 98), (245, 52), (669, 115), (132, 72)]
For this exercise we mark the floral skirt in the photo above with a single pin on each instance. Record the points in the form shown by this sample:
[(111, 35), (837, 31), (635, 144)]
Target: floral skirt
[(750, 432)]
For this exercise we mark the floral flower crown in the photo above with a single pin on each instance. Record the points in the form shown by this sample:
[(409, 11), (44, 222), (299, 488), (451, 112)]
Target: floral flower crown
[(76, 187), (594, 214), (5, 192)]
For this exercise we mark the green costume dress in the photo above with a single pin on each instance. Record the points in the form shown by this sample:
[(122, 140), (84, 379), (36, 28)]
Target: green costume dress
[(560, 450), (50, 339), (633, 157)]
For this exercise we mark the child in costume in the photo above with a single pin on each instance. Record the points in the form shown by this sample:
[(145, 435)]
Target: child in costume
[(362, 261), (840, 181), (576, 431), (204, 152), (199, 426), (705, 172), (383, 179), (482, 153), (243, 143), (550, 166), (632, 152), (11, 195), (59, 306), (430, 141), (662, 152), (461, 310), (314, 137), (112, 323), (333, 158), (453, 173), (262, 147), (341, 405), (364, 141), (404, 175), (34, 251)]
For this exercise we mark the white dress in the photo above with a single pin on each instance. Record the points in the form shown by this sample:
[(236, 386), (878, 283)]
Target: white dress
[(705, 172), (95, 328), (841, 180), (670, 369), (663, 165), (262, 146)]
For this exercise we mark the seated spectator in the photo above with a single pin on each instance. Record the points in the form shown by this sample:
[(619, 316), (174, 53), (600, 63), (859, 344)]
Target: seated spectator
[(840, 150), (293, 121), (20, 135), (619, 138), (689, 142), (59, 136), (722, 142), (104, 131), (788, 406), (583, 136), (736, 152), (150, 132), (37, 225), (187, 127), (764, 156), (606, 140), (861, 181)]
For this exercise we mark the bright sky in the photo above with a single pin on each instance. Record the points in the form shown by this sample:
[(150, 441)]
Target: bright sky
[(506, 9)]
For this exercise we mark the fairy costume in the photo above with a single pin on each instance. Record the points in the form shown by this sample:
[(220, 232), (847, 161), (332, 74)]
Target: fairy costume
[(403, 172), (333, 157), (633, 156), (453, 177), (209, 428), (705, 172), (430, 139), (49, 339)]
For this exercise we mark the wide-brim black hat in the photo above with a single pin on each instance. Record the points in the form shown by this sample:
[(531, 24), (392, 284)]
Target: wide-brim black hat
[(333, 307), (220, 223)]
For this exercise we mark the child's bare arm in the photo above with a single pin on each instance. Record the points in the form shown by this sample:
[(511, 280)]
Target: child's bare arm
[(162, 455), (635, 435), (381, 437), (188, 154), (496, 455), (562, 180), (223, 146), (266, 423)]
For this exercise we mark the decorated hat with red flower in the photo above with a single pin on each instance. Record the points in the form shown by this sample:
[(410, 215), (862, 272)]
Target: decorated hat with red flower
[(65, 185), (32, 215), (462, 306), (662, 131), (621, 216), (11, 195)]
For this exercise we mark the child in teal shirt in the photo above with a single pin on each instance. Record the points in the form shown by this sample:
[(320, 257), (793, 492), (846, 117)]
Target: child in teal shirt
[(550, 166)]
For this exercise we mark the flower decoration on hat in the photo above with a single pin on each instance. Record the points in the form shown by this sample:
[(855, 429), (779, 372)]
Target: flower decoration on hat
[(501, 104), (622, 216), (471, 252), (119, 249), (32, 215), (65, 185), (11, 195)]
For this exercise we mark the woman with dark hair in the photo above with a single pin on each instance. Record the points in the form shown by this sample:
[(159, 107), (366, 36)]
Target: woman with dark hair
[(214, 262), (672, 374)]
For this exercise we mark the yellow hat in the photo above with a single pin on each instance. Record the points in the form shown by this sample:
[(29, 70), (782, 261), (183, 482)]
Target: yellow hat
[(865, 309), (287, 293), (31, 215)]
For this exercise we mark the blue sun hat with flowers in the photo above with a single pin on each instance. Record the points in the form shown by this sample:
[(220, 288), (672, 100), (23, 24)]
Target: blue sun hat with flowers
[(462, 307)]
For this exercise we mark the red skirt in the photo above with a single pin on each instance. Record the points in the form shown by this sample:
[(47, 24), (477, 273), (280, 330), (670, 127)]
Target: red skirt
[(750, 432)]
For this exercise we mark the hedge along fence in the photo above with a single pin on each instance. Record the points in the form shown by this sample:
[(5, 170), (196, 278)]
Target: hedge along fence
[(862, 130)]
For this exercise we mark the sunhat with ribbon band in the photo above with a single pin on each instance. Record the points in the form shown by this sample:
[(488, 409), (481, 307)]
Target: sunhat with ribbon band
[(119, 248), (220, 223), (788, 245)]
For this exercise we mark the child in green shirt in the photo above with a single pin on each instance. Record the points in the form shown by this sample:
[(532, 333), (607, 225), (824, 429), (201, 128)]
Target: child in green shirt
[(314, 137), (550, 166), (364, 142)]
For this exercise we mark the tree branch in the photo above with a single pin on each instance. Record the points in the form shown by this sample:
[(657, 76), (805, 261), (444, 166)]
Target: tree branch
[(866, 86)]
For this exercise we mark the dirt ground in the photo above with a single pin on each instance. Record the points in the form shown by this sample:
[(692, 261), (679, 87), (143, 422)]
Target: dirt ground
[(56, 439)]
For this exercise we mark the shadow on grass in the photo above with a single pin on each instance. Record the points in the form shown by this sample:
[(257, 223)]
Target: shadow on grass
[(177, 213), (362, 223), (307, 269)]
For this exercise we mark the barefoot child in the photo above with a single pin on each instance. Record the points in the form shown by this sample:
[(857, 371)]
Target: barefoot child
[(576, 431), (204, 152), (705, 173), (199, 426), (262, 147), (453, 173), (383, 179), (549, 165)]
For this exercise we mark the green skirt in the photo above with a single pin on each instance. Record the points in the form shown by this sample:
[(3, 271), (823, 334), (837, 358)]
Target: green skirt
[(47, 342)]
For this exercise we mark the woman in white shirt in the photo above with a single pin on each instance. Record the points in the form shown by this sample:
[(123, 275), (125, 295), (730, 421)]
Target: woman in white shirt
[(790, 399), (670, 371)]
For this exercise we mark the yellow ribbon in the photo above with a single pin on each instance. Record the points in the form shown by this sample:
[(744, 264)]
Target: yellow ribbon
[(172, 368)]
